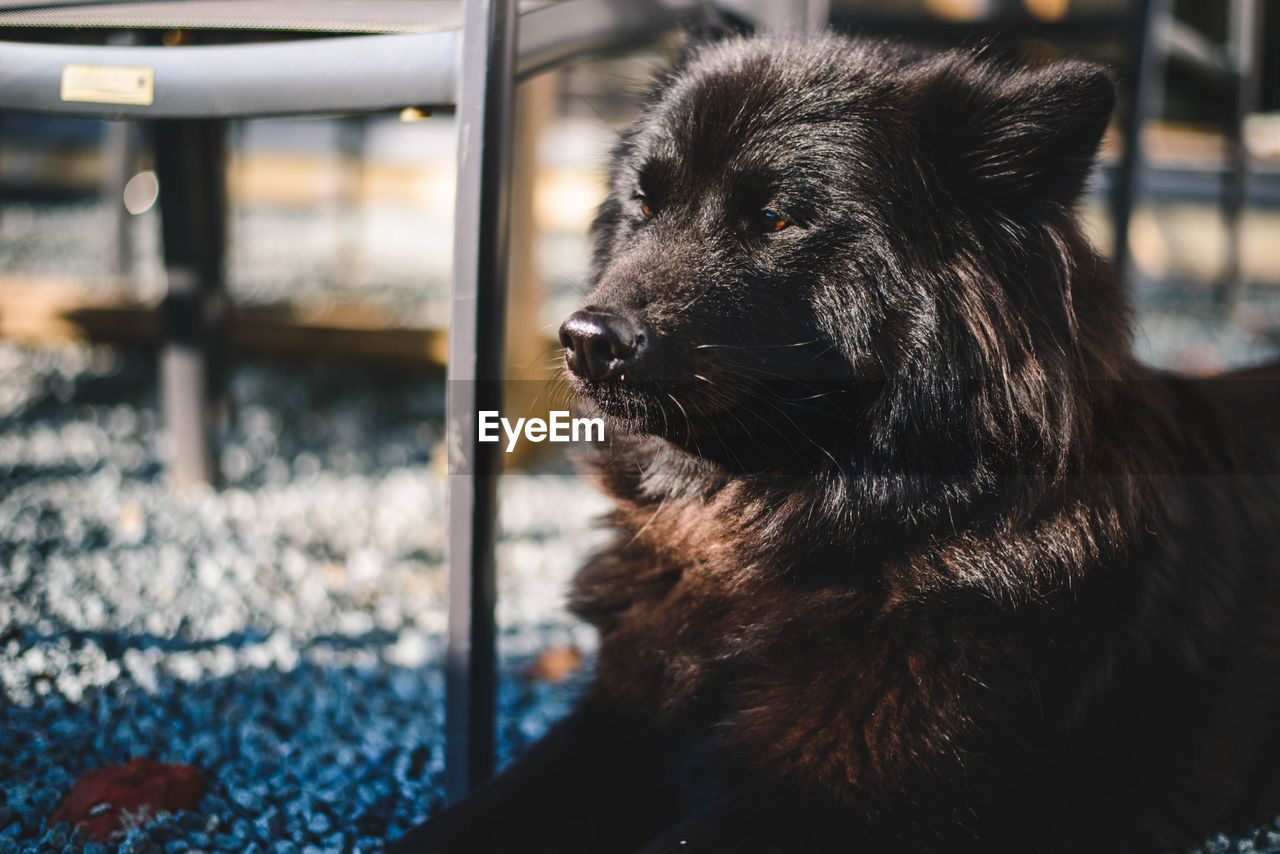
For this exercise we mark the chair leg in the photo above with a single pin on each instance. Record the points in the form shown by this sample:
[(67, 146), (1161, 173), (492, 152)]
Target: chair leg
[(1148, 16), (119, 156), (120, 151), (476, 355), (1244, 28), (190, 164), (787, 15)]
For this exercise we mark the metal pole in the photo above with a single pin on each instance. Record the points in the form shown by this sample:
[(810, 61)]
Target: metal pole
[(486, 83), (1149, 19), (787, 15), (1243, 36), (119, 157), (190, 163), (818, 15)]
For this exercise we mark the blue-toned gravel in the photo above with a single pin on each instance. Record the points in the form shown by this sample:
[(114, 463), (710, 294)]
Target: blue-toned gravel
[(282, 634)]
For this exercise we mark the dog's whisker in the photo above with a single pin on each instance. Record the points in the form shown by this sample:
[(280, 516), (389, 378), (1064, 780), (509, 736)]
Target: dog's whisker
[(755, 346)]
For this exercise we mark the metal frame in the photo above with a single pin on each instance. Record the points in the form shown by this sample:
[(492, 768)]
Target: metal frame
[(1158, 38), (784, 15), (476, 355), (329, 75), (191, 164), (198, 87), (1243, 55), (1145, 85), (1009, 20), (476, 350), (350, 74), (1153, 36)]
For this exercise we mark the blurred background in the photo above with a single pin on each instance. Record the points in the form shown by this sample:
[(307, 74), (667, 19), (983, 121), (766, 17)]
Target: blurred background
[(281, 629)]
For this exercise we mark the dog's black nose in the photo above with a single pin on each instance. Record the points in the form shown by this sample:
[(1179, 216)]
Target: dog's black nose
[(601, 345)]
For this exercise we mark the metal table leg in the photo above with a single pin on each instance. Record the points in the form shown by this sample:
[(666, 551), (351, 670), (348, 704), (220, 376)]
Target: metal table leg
[(190, 163), (476, 330), (1145, 62), (1245, 28), (784, 15), (119, 156)]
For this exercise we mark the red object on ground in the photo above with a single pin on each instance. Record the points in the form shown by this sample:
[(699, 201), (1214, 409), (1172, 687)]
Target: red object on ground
[(100, 798)]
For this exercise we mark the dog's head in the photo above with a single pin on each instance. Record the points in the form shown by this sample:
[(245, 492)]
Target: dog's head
[(839, 250)]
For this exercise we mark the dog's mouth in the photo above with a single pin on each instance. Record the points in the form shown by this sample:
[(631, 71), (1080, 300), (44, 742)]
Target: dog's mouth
[(711, 399), (640, 382), (749, 427)]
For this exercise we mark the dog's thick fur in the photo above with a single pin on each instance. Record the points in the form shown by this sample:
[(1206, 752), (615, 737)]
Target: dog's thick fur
[(910, 553)]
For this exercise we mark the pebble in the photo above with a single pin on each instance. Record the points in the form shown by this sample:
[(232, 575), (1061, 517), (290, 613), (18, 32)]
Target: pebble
[(284, 633), (206, 627)]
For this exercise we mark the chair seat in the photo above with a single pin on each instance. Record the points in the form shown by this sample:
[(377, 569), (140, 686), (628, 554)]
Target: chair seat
[(301, 16), (377, 54)]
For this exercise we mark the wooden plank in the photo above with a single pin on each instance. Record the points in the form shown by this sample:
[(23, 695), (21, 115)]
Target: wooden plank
[(529, 356), (50, 310)]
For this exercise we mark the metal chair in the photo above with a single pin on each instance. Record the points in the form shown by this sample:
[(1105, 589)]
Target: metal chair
[(1151, 36), (108, 60)]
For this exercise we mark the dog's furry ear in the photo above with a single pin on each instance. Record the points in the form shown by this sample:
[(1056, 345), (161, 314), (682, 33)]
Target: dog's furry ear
[(709, 26), (1017, 141)]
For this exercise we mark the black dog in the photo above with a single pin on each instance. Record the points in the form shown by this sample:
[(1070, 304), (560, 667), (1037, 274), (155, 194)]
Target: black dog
[(911, 553)]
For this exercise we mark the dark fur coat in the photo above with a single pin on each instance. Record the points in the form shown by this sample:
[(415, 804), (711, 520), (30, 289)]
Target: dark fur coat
[(910, 552)]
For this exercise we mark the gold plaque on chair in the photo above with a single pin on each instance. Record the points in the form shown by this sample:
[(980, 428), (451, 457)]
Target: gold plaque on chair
[(109, 84)]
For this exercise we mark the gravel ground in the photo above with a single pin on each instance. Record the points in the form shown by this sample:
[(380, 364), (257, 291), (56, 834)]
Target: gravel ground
[(283, 634)]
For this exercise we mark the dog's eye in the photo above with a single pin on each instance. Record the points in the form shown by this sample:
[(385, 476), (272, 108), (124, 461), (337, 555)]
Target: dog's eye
[(772, 222), (646, 209)]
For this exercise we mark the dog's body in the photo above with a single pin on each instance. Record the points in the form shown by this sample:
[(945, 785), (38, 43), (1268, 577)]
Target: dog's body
[(910, 554)]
